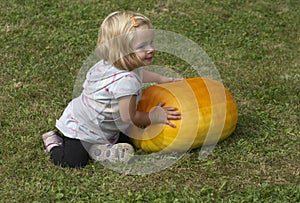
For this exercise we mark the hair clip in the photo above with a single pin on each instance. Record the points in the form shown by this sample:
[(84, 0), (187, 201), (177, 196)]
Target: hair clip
[(134, 23)]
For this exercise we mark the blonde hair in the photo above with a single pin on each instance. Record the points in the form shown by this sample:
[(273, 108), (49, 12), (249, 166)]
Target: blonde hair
[(115, 39)]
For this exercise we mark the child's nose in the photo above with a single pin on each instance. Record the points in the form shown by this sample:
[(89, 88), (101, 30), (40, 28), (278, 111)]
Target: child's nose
[(150, 49)]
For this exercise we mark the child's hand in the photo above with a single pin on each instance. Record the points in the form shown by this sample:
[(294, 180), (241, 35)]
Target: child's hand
[(163, 115), (164, 79)]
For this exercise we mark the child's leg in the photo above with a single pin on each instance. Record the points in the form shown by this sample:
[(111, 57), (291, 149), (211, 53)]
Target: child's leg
[(71, 154), (124, 139), (65, 151)]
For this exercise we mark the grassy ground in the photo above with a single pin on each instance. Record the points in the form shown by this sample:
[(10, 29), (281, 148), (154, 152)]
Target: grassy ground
[(255, 46)]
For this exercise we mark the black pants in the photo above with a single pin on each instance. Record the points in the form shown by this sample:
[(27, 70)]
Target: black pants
[(74, 153)]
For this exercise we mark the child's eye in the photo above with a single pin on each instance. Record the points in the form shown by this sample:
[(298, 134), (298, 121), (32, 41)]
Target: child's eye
[(141, 47), (144, 45)]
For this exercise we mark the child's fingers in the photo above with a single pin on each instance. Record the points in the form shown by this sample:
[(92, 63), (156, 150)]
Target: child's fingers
[(174, 117), (161, 104), (177, 79), (174, 113), (171, 108), (171, 124), (174, 79), (171, 115)]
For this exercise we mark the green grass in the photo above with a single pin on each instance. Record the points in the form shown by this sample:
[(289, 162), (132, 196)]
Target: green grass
[(254, 44)]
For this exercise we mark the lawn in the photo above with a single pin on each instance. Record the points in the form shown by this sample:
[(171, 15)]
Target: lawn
[(255, 47)]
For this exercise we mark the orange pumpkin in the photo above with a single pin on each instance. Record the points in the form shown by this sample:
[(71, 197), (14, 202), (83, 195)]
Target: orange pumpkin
[(208, 115)]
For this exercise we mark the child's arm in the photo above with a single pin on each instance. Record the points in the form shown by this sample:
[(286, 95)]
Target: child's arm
[(129, 114), (149, 76)]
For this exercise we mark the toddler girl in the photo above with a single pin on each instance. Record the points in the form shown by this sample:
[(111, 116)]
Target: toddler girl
[(90, 126)]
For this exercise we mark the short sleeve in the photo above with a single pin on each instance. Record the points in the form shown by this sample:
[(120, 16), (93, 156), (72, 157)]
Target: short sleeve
[(126, 86)]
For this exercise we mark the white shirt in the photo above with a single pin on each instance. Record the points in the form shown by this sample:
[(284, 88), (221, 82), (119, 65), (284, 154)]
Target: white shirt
[(94, 116)]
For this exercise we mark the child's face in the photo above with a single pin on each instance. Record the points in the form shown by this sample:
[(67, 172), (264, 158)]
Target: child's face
[(143, 44)]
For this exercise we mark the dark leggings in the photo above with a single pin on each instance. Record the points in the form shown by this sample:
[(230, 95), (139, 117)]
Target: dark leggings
[(74, 153)]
